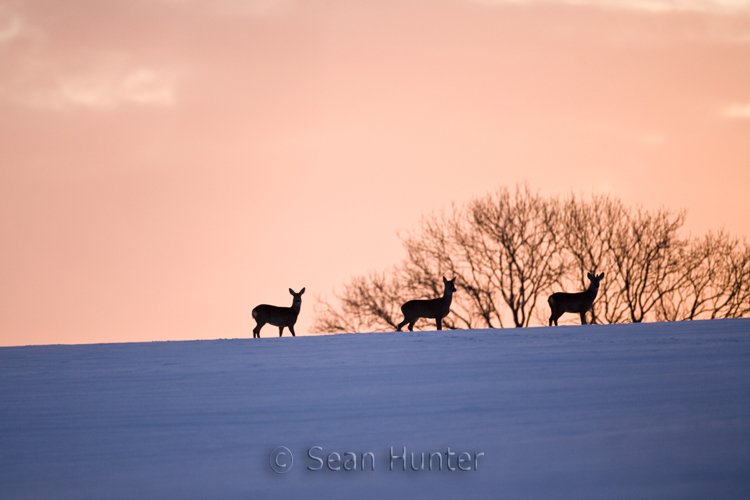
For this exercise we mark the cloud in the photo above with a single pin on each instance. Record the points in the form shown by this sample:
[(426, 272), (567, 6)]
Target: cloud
[(39, 73), (10, 28), (97, 82), (712, 6), (254, 8), (106, 88), (738, 111)]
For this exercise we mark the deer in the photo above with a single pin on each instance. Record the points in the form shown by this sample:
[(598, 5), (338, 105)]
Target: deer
[(432, 308), (580, 302), (278, 316)]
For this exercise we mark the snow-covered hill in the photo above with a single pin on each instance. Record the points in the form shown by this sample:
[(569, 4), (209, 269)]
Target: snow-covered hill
[(626, 411)]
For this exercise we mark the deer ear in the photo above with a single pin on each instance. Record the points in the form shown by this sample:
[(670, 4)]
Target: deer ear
[(601, 276), (302, 291), (590, 276), (291, 291), (445, 280)]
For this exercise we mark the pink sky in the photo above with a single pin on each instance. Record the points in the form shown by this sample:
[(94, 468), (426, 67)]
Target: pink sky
[(166, 165)]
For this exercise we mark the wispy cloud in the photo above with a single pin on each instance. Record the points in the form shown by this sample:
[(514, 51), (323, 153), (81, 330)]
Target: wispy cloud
[(106, 89), (99, 82), (256, 8), (10, 28), (715, 6), (38, 73), (738, 111)]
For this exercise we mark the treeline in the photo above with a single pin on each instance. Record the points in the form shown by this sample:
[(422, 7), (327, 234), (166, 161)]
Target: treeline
[(511, 249)]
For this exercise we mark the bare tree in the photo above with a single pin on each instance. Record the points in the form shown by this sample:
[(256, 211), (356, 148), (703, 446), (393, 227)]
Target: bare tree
[(736, 283), (367, 304), (587, 229), (517, 242), (440, 246), (646, 253), (702, 263), (725, 271), (501, 248), (688, 297), (508, 249), (714, 281)]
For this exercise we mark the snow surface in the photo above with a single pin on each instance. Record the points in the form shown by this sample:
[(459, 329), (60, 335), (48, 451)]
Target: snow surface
[(657, 410)]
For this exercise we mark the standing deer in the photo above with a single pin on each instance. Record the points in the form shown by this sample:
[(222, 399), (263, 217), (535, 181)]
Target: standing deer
[(278, 316), (433, 308), (580, 302)]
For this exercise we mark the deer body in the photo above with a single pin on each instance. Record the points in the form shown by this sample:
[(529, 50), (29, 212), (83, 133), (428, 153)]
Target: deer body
[(434, 308), (580, 302), (278, 316)]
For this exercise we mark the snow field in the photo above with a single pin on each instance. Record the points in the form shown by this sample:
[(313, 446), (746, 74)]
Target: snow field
[(658, 410)]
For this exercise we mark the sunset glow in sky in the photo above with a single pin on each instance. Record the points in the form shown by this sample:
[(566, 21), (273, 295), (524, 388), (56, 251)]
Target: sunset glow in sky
[(166, 165)]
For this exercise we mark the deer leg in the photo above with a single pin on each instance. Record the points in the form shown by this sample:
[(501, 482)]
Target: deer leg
[(439, 322), (401, 325), (281, 331), (554, 317), (553, 314), (411, 325), (583, 318), (291, 329), (256, 330)]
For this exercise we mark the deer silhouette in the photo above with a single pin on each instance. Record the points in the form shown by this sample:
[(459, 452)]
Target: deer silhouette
[(433, 308), (278, 316), (580, 302)]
